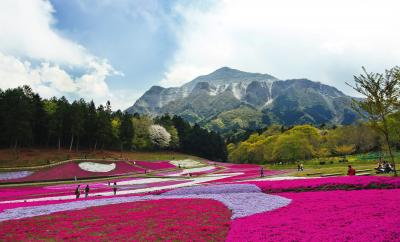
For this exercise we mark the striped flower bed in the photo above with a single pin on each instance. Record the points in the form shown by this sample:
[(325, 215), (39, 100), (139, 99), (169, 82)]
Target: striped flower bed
[(365, 215), (72, 169), (170, 220)]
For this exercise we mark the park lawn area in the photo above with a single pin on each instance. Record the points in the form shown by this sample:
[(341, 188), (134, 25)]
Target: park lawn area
[(332, 164), (37, 157), (334, 169)]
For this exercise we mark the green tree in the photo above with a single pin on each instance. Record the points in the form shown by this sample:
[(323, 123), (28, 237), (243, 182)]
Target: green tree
[(91, 126), (104, 129), (77, 121), (381, 92), (17, 115), (126, 132), (141, 139), (292, 147)]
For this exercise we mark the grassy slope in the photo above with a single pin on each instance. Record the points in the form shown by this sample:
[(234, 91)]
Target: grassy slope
[(36, 157)]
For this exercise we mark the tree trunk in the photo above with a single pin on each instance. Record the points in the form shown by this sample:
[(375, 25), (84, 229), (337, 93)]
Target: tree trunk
[(72, 142), (47, 141), (386, 134), (391, 154), (77, 144)]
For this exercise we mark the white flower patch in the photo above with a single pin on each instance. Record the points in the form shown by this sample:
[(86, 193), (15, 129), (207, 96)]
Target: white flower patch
[(96, 167), (14, 175), (187, 163), (194, 170)]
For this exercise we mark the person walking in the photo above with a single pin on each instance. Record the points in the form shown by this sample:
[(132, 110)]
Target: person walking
[(115, 188), (262, 172), (77, 192), (87, 191)]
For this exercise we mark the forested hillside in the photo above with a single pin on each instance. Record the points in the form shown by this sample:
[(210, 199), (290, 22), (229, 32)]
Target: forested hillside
[(27, 120), (278, 143)]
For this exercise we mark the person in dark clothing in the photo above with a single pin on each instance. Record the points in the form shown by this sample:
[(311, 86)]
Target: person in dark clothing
[(262, 172), (77, 192), (351, 171), (115, 188), (87, 191)]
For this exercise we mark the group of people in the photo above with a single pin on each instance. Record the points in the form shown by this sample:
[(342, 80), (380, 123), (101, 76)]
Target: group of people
[(87, 189), (78, 192), (300, 167), (384, 167)]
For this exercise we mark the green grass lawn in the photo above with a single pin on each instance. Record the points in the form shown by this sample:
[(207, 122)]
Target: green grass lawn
[(332, 164)]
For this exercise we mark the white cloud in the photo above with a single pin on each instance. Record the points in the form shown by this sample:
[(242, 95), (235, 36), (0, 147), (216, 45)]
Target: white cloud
[(27, 37), (326, 41), (50, 80), (26, 31)]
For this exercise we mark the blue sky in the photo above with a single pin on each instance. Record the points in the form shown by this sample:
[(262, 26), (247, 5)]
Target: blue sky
[(116, 50), (130, 34)]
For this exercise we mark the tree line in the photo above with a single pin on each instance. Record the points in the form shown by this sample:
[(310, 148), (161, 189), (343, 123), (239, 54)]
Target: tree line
[(301, 142), (27, 120)]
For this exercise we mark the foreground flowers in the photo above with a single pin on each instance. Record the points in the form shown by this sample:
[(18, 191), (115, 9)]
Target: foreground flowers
[(171, 220), (300, 209), (365, 215)]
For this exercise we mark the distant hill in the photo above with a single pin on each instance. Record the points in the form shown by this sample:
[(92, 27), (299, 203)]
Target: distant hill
[(229, 99)]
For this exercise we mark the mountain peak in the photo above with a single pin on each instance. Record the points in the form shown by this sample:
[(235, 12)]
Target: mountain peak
[(226, 75), (226, 69)]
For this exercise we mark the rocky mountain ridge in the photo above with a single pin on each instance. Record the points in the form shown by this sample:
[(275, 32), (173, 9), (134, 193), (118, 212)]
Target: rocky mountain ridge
[(233, 99)]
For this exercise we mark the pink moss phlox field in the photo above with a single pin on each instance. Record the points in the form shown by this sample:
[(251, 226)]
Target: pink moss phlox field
[(154, 165), (7, 194), (362, 215), (167, 220), (331, 183), (72, 169)]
